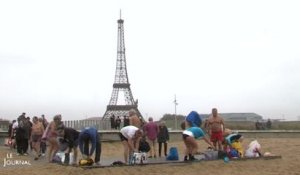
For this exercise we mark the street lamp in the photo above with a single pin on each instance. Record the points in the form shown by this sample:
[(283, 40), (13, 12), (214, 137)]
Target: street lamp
[(175, 103)]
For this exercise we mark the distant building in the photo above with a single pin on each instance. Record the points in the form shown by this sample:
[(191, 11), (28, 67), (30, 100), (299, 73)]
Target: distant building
[(237, 116), (4, 125)]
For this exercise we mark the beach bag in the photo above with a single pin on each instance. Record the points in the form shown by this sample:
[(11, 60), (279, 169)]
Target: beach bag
[(253, 149), (56, 159), (233, 153), (211, 155), (194, 118), (59, 157), (173, 154), (86, 162), (139, 158), (144, 146), (222, 154)]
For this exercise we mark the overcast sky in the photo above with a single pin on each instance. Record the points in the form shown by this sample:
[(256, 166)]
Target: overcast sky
[(238, 56)]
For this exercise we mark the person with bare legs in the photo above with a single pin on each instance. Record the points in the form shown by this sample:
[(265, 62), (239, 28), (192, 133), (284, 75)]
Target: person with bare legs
[(130, 137), (216, 128), (189, 135), (37, 131), (51, 135)]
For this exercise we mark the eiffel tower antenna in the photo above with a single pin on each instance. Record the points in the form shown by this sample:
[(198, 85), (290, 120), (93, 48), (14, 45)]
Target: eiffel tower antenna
[(121, 83)]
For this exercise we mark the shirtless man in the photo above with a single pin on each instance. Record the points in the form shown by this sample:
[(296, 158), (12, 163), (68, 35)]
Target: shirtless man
[(216, 128), (37, 131), (134, 120)]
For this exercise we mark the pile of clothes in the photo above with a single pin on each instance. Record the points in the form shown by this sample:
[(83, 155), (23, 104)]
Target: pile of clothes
[(234, 147)]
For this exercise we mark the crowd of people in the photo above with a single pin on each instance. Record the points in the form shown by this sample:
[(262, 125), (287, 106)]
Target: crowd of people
[(136, 136), (26, 134), (263, 125), (38, 135)]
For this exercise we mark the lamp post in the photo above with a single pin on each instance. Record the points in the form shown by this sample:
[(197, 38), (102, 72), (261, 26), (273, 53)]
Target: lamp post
[(175, 104)]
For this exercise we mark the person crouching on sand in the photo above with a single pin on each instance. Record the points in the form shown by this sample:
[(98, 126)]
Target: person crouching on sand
[(189, 135), (130, 137)]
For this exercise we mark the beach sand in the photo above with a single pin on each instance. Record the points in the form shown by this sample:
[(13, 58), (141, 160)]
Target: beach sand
[(288, 148)]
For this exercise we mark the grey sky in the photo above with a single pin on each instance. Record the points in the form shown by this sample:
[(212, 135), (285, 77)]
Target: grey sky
[(238, 56)]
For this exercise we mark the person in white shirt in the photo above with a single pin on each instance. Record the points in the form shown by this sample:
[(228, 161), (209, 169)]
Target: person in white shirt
[(130, 137)]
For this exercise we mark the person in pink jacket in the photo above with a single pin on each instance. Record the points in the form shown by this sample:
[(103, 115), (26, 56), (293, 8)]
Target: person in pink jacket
[(151, 132)]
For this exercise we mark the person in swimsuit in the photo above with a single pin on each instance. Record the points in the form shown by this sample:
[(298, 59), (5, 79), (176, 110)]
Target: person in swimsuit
[(51, 135), (37, 131), (134, 120), (216, 128), (189, 135)]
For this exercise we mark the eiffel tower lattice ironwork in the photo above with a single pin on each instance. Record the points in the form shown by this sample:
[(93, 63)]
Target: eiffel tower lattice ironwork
[(121, 83)]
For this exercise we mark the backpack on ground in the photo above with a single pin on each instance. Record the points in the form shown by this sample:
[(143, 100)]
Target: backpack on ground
[(173, 154), (144, 146)]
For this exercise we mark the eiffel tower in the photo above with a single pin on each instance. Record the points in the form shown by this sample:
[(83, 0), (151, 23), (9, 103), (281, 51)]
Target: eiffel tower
[(121, 83)]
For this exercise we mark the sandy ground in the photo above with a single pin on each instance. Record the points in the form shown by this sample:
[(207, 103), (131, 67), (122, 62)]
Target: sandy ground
[(287, 148)]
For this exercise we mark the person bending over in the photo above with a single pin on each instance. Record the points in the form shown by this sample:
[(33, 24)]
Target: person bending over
[(189, 135), (87, 135), (130, 137), (69, 137)]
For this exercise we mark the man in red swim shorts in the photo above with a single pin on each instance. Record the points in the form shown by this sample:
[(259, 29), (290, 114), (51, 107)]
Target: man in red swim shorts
[(216, 128)]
